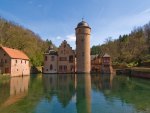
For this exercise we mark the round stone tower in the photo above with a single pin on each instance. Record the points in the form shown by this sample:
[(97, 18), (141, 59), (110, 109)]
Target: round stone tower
[(83, 47)]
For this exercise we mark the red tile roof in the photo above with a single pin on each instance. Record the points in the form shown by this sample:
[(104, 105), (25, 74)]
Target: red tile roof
[(14, 53)]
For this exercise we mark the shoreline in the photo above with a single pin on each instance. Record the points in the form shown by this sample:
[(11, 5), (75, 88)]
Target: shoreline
[(140, 72)]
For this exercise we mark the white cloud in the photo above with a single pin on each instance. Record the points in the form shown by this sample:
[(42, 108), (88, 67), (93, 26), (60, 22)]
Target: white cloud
[(71, 38), (58, 37)]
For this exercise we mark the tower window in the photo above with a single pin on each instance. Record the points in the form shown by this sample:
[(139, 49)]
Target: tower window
[(79, 31), (82, 40), (82, 53)]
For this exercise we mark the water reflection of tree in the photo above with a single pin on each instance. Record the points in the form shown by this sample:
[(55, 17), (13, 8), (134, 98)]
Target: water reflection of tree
[(129, 90), (4, 90), (133, 91), (102, 82), (61, 85)]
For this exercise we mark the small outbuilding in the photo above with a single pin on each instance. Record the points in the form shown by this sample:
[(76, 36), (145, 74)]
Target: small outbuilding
[(13, 62), (106, 64)]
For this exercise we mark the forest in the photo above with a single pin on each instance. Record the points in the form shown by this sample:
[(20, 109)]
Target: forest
[(128, 50), (15, 36)]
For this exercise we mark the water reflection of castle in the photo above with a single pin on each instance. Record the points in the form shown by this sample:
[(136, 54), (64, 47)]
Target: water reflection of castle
[(65, 87)]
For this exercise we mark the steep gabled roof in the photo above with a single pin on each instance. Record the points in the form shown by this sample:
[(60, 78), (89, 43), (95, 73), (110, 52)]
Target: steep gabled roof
[(106, 55), (14, 53)]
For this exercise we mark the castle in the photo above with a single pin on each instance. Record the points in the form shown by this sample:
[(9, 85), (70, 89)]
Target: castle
[(66, 60)]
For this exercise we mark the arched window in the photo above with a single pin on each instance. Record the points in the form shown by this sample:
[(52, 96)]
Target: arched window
[(51, 67)]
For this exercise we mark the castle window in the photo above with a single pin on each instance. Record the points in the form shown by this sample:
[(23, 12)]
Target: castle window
[(63, 58), (65, 68), (5, 61), (71, 58), (25, 61), (71, 68), (21, 61), (4, 54), (51, 67), (60, 67), (52, 58), (45, 58), (16, 61)]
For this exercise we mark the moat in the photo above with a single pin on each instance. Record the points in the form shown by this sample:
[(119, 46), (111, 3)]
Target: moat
[(66, 93)]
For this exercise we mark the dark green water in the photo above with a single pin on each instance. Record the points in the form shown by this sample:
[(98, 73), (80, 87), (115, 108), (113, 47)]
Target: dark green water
[(74, 94)]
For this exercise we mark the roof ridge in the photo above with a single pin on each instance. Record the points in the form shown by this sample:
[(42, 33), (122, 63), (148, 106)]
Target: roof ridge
[(15, 53)]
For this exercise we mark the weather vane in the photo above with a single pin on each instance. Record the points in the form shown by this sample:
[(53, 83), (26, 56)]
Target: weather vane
[(82, 19)]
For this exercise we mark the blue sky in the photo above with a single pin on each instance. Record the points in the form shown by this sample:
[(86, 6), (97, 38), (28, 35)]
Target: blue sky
[(56, 19)]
